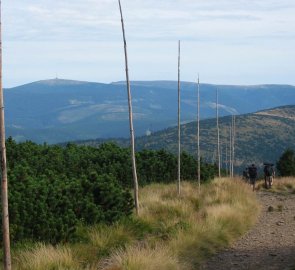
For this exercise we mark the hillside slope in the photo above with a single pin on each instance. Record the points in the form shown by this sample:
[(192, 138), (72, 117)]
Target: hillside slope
[(63, 110), (260, 137)]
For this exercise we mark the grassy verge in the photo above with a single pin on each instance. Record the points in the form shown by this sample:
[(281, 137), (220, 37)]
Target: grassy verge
[(280, 185), (171, 233)]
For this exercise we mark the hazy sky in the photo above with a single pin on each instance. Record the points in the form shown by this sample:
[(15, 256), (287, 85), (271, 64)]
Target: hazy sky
[(226, 41)]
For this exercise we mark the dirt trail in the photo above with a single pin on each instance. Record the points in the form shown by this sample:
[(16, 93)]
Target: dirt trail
[(270, 244)]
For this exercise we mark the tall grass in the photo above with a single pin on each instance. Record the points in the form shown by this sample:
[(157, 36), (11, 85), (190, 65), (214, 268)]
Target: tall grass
[(143, 258), (46, 257), (281, 185), (172, 232), (191, 227)]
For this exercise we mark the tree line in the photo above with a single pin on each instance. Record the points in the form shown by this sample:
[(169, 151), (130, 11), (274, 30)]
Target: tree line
[(53, 189), (286, 163)]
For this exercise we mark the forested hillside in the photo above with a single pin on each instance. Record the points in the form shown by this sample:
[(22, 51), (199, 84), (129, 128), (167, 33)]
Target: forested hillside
[(53, 189), (260, 137)]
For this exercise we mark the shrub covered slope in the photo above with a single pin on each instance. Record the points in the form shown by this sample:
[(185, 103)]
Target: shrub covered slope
[(53, 189)]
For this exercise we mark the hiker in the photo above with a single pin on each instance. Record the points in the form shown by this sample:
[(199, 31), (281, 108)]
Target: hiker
[(246, 175), (253, 175), (269, 174)]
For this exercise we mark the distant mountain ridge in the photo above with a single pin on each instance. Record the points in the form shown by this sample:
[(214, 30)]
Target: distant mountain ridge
[(60, 110)]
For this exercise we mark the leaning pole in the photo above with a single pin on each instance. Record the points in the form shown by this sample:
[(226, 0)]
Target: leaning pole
[(5, 214), (178, 118), (135, 181)]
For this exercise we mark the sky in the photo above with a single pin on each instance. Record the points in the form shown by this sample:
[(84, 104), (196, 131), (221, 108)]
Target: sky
[(225, 41)]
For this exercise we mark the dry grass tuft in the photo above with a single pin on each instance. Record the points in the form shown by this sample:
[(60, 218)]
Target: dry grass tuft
[(284, 184), (109, 237), (46, 257), (137, 257), (281, 185)]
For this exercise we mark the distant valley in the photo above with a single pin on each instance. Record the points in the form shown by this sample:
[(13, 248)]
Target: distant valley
[(58, 110)]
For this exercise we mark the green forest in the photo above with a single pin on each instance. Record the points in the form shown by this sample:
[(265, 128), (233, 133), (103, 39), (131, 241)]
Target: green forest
[(53, 189)]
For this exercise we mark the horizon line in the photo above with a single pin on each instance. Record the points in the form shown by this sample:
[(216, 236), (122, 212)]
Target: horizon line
[(144, 81)]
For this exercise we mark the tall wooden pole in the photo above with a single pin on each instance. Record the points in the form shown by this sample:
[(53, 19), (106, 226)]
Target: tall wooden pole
[(221, 155), (198, 137), (178, 178), (5, 214), (233, 142), (226, 157), (230, 150), (130, 118), (218, 139)]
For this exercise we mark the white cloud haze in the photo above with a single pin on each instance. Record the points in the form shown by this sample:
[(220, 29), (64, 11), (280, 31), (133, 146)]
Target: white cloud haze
[(226, 41)]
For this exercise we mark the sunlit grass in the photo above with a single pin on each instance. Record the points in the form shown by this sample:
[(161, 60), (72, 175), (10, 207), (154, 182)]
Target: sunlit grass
[(143, 258), (281, 185), (46, 257), (192, 226)]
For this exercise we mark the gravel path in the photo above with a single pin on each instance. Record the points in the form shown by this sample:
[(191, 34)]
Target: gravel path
[(269, 245)]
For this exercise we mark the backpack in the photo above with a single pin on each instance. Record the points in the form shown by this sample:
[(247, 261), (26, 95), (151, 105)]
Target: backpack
[(252, 171), (268, 171)]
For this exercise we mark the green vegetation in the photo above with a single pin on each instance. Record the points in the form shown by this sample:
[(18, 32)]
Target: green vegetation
[(171, 233), (286, 163), (261, 137), (54, 189), (71, 208)]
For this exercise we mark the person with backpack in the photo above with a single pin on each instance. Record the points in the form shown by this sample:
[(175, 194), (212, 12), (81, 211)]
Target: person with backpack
[(246, 175), (252, 170), (269, 174)]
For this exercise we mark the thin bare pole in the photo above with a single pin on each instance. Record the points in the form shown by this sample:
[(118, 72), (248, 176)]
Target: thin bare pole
[(136, 202), (218, 139), (226, 157), (221, 155), (232, 146), (233, 141), (198, 138), (230, 150), (5, 214), (178, 181)]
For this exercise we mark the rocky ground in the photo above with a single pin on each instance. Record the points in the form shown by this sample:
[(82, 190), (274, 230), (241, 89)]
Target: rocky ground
[(270, 244)]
